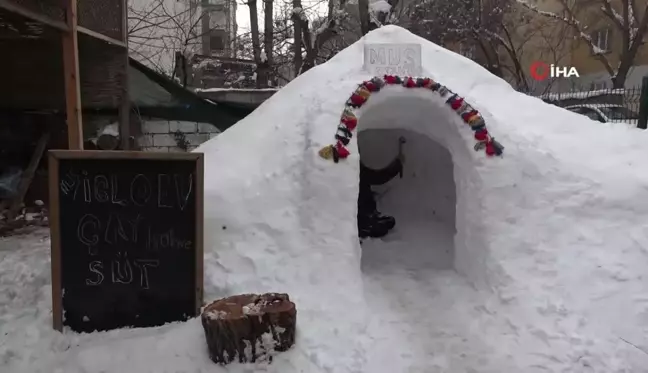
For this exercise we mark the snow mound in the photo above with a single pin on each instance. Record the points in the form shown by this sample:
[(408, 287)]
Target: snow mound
[(550, 229), (548, 241)]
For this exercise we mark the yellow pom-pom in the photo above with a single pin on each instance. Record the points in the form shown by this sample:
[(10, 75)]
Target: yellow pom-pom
[(476, 121), (363, 92), (326, 152), (428, 83), (348, 114)]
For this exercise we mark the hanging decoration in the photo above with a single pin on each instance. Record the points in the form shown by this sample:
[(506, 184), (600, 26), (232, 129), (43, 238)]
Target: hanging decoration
[(349, 121)]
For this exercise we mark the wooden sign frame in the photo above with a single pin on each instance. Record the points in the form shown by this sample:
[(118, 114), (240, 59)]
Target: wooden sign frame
[(54, 214)]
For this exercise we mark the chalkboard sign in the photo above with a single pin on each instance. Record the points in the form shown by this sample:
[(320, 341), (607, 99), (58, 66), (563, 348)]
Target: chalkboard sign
[(127, 243)]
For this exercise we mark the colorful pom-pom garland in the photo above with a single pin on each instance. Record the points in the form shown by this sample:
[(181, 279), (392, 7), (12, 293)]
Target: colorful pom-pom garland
[(349, 121)]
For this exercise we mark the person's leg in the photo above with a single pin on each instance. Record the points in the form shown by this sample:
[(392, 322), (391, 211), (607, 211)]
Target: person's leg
[(384, 220), (370, 224), (364, 209)]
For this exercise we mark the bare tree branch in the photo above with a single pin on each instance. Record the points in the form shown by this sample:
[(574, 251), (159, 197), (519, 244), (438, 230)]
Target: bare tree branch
[(631, 29)]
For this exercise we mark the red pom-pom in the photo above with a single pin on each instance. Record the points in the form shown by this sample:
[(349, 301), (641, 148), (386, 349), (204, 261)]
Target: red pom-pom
[(426, 82), (456, 104), (481, 135), (390, 79), (350, 122), (490, 149), (410, 83), (370, 86), (341, 150), (356, 99)]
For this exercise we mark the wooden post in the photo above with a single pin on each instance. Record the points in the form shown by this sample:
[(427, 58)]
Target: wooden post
[(28, 175), (124, 108), (71, 71)]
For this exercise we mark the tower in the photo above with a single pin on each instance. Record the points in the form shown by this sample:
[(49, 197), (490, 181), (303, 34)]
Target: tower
[(218, 27)]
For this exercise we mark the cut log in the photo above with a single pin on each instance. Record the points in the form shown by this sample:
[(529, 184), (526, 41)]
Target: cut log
[(249, 327)]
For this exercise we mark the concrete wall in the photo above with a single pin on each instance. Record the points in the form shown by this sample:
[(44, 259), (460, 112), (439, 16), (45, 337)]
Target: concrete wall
[(159, 135)]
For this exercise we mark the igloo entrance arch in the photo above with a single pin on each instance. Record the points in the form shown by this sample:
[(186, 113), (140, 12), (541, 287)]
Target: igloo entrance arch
[(433, 201)]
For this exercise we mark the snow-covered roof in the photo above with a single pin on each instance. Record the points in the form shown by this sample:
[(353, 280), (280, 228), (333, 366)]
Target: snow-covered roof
[(236, 89)]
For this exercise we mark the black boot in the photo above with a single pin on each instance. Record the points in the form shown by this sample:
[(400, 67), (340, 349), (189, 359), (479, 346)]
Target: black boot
[(369, 226), (388, 221)]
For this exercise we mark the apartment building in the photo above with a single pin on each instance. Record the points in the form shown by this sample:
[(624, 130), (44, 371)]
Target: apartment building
[(537, 38), (219, 28), (160, 28), (608, 37), (565, 47)]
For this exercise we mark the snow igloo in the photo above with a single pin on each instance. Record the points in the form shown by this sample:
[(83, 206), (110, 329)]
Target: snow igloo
[(421, 119), (522, 228)]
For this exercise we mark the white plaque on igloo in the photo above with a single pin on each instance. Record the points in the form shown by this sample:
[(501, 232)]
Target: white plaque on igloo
[(393, 59)]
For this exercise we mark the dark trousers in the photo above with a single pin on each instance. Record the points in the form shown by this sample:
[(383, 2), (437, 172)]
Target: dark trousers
[(369, 177), (366, 200)]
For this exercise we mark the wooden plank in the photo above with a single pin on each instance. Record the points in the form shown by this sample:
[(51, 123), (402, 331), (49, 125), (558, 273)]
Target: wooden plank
[(55, 240), (72, 76), (101, 37), (28, 175), (17, 9), (125, 21), (100, 154), (124, 109), (200, 216)]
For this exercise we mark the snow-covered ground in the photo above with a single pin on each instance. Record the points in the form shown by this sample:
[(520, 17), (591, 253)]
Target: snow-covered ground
[(532, 262)]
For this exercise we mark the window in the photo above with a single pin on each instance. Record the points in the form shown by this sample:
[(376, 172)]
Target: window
[(217, 40), (601, 39)]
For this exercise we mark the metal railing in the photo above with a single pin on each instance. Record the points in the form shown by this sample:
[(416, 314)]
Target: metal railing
[(615, 105)]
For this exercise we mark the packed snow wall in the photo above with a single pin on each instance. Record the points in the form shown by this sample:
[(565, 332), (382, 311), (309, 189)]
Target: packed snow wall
[(439, 188), (284, 219), (423, 201)]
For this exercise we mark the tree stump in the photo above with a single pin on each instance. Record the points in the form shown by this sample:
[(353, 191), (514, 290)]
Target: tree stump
[(249, 327)]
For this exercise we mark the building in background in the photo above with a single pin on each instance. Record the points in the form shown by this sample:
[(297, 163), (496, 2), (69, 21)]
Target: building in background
[(607, 36), (219, 28), (533, 37), (158, 29)]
